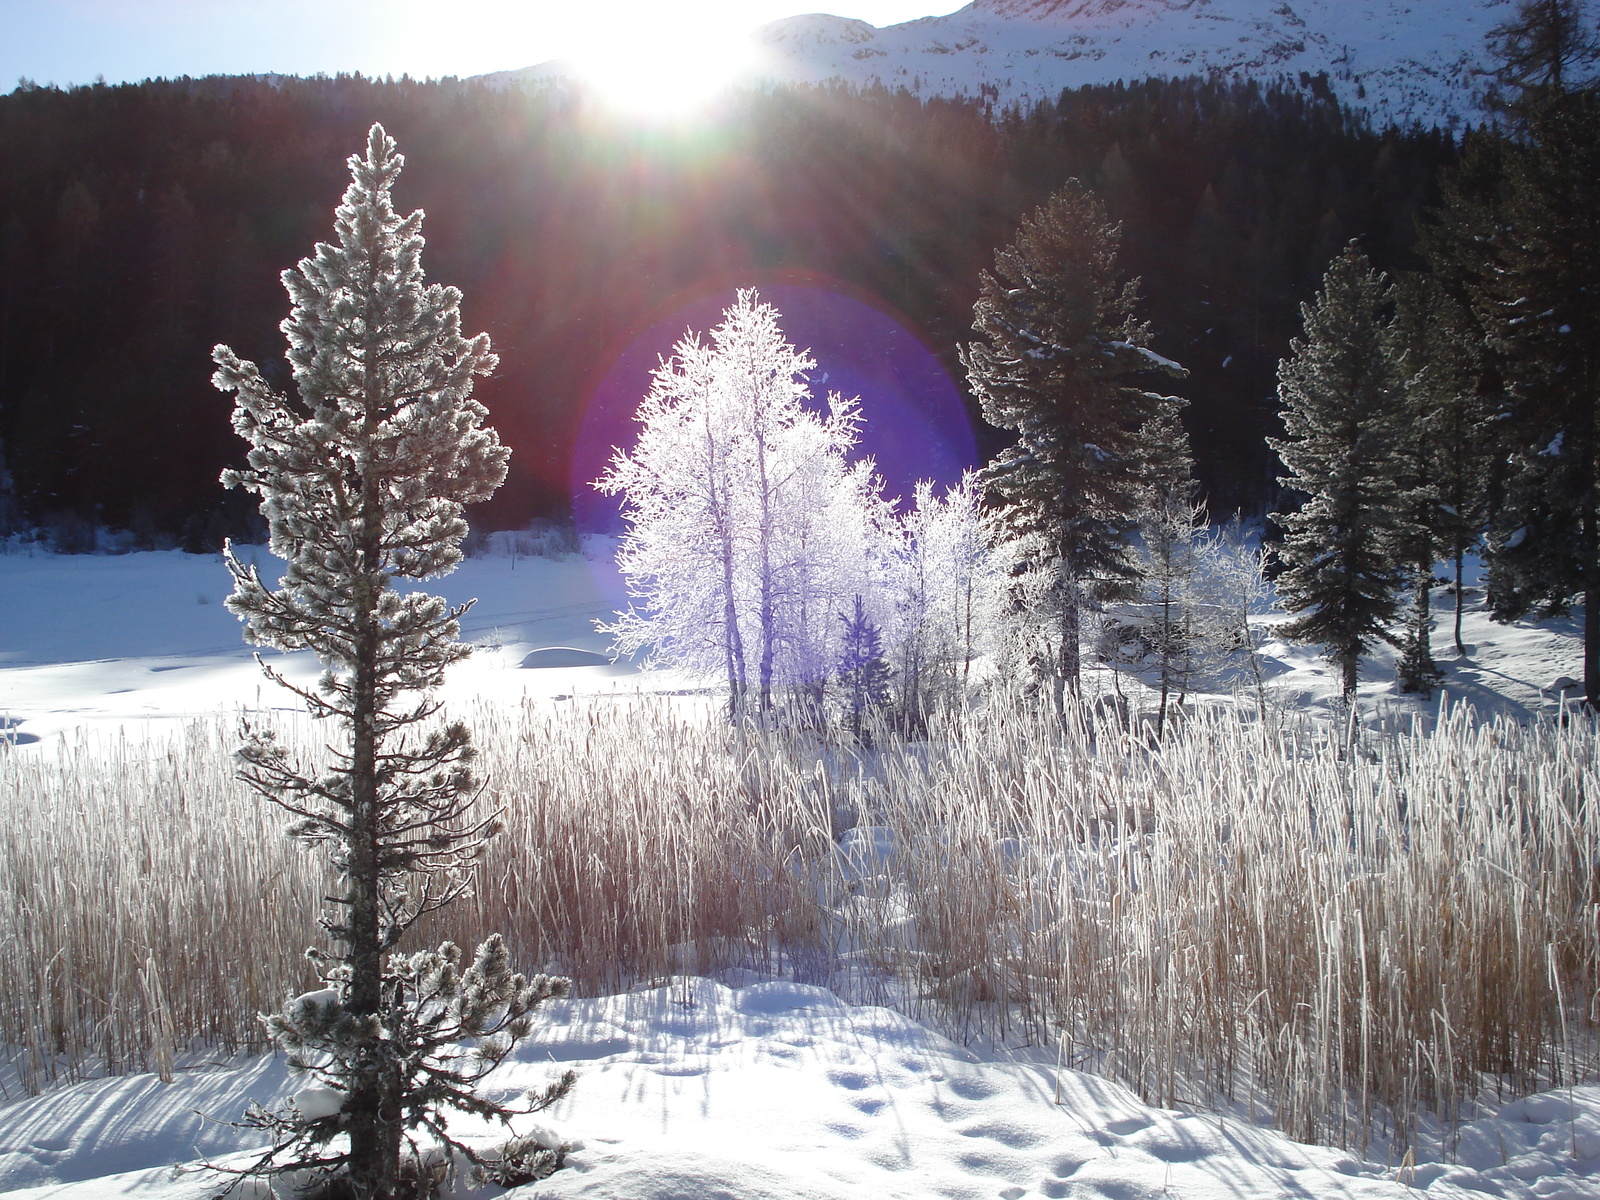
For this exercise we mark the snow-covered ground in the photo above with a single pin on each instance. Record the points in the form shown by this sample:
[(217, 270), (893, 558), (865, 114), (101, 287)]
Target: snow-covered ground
[(694, 1090), (140, 642), (744, 1087)]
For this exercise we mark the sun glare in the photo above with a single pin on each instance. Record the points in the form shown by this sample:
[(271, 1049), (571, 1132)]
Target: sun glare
[(667, 71)]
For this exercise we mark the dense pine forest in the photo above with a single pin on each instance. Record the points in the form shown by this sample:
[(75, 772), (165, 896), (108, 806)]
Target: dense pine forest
[(140, 225)]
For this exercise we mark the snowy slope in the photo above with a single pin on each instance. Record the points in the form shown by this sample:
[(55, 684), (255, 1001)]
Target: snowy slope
[(1402, 60)]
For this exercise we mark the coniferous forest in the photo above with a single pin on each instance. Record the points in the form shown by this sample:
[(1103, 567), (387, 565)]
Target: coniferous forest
[(143, 224)]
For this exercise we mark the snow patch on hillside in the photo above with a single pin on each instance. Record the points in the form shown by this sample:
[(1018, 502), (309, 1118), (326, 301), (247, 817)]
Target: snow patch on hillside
[(1402, 60)]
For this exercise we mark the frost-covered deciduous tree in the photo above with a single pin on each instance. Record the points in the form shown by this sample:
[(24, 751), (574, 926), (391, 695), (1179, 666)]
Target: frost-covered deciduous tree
[(940, 584), (1231, 580), (362, 480), (836, 552), (1060, 364), (749, 532), (1345, 424)]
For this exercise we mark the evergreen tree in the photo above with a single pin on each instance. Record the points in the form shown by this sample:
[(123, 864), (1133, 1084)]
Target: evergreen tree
[(1441, 355), (362, 481), (1171, 523), (1519, 237), (1344, 450), (1422, 454), (1058, 365), (863, 672), (1547, 49)]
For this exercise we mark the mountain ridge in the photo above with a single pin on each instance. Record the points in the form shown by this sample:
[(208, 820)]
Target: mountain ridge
[(1402, 61)]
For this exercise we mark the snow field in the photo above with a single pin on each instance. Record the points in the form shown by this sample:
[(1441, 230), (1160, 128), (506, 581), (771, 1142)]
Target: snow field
[(779, 1091), (1243, 916)]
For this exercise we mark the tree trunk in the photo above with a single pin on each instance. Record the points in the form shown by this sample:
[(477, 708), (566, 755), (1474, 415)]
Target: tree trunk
[(1591, 610), (1423, 615), (1461, 648), (732, 641), (1166, 655), (371, 1107), (767, 616), (1417, 670)]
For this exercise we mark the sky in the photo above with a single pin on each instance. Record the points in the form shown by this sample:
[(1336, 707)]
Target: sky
[(75, 41)]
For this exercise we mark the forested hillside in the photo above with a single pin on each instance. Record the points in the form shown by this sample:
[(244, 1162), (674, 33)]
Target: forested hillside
[(140, 225)]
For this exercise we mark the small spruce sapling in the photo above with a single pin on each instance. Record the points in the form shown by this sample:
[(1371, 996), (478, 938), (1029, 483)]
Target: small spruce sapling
[(362, 481), (1171, 523), (863, 673)]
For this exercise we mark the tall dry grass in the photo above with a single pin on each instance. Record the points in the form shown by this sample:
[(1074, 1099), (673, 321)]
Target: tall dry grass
[(1346, 940), (149, 903)]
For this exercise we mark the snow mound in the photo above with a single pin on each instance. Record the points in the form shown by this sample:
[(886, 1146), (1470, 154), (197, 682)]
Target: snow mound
[(563, 656)]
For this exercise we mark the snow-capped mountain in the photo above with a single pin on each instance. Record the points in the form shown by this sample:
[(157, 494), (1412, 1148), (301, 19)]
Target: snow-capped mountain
[(1402, 60)]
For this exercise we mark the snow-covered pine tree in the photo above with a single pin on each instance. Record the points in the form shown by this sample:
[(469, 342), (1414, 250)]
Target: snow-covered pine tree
[(1445, 379), (863, 678), (1059, 364), (1345, 426), (748, 530), (362, 481), (1519, 236), (1171, 523)]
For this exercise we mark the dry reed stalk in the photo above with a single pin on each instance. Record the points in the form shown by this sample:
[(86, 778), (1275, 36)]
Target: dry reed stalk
[(1246, 910)]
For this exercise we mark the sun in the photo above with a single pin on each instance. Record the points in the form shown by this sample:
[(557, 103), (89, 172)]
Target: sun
[(665, 70)]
